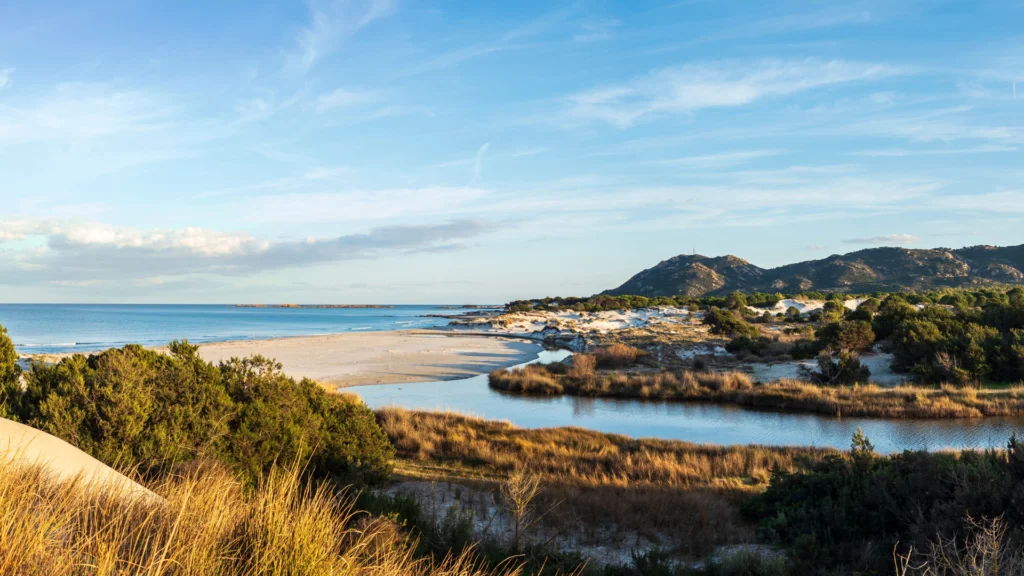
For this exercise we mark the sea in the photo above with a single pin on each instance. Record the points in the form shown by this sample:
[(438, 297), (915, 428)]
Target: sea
[(63, 328)]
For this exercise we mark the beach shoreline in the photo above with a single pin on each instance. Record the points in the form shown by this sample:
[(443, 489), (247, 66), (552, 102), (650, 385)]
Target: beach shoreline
[(373, 357)]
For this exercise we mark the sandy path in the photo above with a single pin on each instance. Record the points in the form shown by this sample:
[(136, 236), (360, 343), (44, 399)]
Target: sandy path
[(381, 357)]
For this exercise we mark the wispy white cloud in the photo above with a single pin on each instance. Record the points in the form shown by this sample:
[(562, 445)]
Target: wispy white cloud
[(516, 38), (370, 205), (344, 98), (904, 152), (827, 17), (936, 125), (478, 163), (332, 23), (312, 176), (720, 160), (713, 85), (1002, 202), (5, 77), (91, 252), (885, 239), (596, 31), (85, 111)]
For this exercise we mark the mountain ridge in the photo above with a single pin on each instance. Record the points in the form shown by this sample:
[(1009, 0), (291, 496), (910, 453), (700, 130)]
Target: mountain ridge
[(867, 270)]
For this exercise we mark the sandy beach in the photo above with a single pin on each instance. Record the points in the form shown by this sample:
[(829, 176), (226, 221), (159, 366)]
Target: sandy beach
[(390, 357)]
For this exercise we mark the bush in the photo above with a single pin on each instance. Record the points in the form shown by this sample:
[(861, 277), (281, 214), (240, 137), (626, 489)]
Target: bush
[(727, 323), (10, 372), (847, 335), (141, 406), (617, 356), (842, 368), (755, 346), (832, 312), (852, 509)]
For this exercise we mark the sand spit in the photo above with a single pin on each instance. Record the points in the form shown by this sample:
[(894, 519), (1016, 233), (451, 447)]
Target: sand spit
[(389, 357)]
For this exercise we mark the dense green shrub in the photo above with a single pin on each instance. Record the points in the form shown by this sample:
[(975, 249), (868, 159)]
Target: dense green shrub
[(962, 345), (842, 368), (757, 346), (138, 405), (728, 323), (736, 300), (9, 374), (852, 509), (847, 335)]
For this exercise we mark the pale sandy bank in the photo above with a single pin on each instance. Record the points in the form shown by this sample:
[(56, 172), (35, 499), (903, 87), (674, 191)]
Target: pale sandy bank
[(381, 357), (24, 445)]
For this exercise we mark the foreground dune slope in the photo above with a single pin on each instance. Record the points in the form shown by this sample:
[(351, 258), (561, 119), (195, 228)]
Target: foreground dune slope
[(24, 445)]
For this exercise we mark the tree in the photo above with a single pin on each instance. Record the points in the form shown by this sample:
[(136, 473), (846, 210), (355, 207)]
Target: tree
[(832, 312), (847, 335), (860, 446), (843, 368), (10, 374), (736, 300), (728, 323), (518, 491)]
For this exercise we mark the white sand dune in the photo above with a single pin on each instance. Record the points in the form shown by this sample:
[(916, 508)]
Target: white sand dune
[(24, 445), (804, 306)]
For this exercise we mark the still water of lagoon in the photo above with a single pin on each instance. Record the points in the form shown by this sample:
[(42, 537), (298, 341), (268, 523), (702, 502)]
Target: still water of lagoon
[(693, 422)]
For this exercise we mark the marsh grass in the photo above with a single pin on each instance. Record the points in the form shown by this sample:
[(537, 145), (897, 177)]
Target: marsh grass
[(788, 395), (205, 522), (683, 493)]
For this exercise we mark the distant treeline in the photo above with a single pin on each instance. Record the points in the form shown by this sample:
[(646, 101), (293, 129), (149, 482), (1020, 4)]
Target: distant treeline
[(603, 302), (960, 337)]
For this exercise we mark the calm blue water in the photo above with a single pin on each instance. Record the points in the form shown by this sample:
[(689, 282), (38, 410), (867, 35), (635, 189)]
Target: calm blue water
[(694, 422), (55, 328)]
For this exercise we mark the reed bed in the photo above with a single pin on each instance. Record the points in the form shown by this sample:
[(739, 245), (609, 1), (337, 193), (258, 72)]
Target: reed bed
[(678, 492), (579, 456), (203, 523), (787, 395)]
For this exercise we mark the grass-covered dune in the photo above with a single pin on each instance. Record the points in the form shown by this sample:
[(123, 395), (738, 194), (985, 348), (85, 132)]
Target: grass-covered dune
[(786, 395), (208, 522)]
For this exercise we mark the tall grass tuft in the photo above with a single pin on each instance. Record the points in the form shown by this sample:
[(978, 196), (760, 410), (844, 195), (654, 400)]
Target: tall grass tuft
[(205, 522)]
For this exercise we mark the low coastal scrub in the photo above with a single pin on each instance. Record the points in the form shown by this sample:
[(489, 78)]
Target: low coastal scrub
[(137, 405), (945, 512), (205, 522), (788, 395), (685, 492)]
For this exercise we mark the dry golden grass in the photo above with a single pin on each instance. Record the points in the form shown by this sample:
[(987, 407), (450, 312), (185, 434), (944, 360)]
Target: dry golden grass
[(788, 395), (679, 491), (206, 523), (617, 355), (579, 456)]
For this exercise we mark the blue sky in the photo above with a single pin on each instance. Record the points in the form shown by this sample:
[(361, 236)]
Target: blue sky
[(400, 151)]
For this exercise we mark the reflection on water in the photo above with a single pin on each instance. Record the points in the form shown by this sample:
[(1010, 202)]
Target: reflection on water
[(695, 422)]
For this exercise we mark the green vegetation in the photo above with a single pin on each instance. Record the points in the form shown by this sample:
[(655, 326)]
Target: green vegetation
[(736, 388), (964, 343), (850, 510), (9, 371), (729, 323), (133, 405)]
